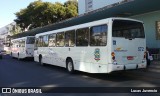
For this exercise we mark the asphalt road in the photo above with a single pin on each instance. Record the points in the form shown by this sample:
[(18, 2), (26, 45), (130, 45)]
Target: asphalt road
[(27, 73)]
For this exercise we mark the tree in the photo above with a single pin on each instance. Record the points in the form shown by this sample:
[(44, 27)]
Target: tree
[(30, 15), (71, 8), (14, 29), (39, 14)]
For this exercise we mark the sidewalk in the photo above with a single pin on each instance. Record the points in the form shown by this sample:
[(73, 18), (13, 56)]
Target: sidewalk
[(156, 62), (153, 72), (154, 67)]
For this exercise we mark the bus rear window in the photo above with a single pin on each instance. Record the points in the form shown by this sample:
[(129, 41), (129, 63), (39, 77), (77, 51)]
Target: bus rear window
[(127, 29), (30, 40)]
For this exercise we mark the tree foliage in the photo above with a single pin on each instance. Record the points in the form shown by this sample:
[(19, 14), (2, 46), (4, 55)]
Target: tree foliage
[(39, 13), (14, 29)]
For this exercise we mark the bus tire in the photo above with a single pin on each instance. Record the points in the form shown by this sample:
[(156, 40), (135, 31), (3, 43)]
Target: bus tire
[(18, 57), (40, 61), (1, 57), (70, 66), (11, 55)]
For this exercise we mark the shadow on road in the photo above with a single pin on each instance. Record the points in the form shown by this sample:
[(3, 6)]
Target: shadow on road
[(115, 76), (30, 73)]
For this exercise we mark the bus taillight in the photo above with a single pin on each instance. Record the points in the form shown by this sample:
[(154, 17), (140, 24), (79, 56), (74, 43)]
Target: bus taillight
[(113, 55), (113, 58)]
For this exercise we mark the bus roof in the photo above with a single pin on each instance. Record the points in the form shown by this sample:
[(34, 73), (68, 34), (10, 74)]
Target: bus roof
[(21, 38), (94, 23)]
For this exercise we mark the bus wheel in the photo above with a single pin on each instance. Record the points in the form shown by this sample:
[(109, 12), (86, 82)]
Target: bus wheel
[(0, 56), (18, 57), (40, 61), (11, 55), (70, 67)]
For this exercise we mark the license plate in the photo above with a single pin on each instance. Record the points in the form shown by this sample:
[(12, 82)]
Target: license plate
[(130, 58)]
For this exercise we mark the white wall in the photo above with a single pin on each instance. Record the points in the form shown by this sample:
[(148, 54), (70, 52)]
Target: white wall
[(96, 4)]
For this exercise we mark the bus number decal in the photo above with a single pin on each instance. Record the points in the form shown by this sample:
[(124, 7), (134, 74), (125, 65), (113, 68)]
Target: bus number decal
[(140, 48), (97, 54)]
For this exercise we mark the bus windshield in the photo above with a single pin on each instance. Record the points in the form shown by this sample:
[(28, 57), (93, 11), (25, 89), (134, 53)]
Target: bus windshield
[(127, 29), (30, 40)]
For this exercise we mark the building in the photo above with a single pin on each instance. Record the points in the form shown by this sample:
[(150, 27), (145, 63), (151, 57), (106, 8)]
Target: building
[(4, 32), (147, 11), (85, 6)]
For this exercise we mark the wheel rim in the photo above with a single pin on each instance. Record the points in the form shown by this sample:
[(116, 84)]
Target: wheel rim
[(70, 67)]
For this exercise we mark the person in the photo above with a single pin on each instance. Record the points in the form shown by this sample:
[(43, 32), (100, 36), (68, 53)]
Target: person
[(149, 57)]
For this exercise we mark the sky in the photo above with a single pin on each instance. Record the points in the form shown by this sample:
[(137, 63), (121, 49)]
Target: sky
[(9, 7)]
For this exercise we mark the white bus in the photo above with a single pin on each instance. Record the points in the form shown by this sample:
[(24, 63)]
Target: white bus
[(23, 47), (101, 46)]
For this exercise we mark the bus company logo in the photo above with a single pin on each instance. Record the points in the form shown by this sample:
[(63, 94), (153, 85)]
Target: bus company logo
[(120, 50), (97, 54)]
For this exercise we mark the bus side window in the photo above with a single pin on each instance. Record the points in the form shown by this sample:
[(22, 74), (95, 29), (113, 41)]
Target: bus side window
[(52, 40), (40, 41), (45, 41), (36, 43), (60, 39), (23, 43), (70, 38), (98, 35), (82, 37), (18, 45)]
